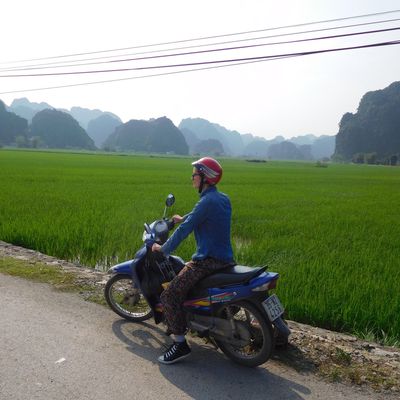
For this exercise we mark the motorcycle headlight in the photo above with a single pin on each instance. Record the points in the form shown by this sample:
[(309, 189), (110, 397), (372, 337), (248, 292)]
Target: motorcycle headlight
[(161, 231), (160, 227)]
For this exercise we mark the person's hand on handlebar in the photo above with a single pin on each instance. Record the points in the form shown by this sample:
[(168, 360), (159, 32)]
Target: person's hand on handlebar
[(156, 247), (177, 219)]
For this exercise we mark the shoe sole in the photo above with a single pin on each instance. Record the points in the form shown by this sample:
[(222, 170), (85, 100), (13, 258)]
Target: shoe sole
[(160, 360)]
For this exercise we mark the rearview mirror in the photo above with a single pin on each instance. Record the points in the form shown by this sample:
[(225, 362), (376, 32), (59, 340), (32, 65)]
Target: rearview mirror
[(170, 200)]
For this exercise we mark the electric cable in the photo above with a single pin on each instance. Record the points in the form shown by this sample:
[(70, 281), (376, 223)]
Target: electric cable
[(139, 77), (381, 44), (56, 64), (198, 63), (208, 37), (212, 50)]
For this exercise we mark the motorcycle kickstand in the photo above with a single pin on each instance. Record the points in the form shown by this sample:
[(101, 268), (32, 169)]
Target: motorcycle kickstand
[(210, 340)]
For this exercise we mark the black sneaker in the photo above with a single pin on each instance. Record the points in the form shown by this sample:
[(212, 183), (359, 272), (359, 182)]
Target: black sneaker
[(176, 352)]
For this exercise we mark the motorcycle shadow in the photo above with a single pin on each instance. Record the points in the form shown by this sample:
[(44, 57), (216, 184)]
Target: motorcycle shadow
[(207, 373), (141, 338), (291, 356)]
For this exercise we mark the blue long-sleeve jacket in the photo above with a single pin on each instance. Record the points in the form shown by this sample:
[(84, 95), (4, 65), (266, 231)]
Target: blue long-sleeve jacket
[(210, 220)]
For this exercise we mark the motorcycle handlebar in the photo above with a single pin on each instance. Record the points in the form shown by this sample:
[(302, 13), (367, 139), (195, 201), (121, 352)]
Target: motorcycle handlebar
[(170, 224)]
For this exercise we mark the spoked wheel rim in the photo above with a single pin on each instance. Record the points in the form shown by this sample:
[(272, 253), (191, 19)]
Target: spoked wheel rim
[(245, 318), (259, 337), (127, 300)]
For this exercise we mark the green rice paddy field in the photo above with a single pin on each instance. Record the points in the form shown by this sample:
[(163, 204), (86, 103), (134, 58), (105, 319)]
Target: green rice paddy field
[(332, 233)]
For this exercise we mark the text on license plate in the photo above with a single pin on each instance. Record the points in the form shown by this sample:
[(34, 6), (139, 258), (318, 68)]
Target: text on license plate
[(273, 307)]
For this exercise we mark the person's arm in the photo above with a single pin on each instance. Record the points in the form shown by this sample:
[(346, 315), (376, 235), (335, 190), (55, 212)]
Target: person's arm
[(177, 220), (190, 221)]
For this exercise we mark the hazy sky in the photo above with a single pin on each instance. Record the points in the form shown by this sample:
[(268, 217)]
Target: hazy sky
[(292, 96)]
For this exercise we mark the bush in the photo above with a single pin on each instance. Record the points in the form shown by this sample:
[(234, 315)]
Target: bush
[(321, 164), (358, 158), (394, 159), (370, 158), (21, 141)]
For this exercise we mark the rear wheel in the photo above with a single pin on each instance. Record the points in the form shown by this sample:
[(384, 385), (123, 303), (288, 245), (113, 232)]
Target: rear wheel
[(259, 343), (125, 300)]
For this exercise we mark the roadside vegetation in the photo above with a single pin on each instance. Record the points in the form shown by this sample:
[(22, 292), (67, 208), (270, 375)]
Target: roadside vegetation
[(56, 276), (332, 233)]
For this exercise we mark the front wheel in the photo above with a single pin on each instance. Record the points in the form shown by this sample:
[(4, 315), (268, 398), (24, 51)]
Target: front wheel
[(125, 300), (260, 344)]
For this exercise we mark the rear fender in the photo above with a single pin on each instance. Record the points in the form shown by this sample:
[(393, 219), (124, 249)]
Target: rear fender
[(279, 322), (263, 278)]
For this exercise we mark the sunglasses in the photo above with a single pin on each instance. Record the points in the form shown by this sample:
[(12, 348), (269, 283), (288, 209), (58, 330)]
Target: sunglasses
[(195, 174)]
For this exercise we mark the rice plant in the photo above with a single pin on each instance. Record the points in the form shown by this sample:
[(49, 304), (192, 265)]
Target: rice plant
[(332, 233)]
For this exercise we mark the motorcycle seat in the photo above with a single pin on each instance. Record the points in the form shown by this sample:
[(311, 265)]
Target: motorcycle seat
[(230, 276)]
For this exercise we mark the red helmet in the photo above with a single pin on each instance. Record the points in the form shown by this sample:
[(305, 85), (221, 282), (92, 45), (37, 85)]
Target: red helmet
[(210, 168)]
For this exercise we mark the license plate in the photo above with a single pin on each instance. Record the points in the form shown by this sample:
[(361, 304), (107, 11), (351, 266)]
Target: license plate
[(273, 307)]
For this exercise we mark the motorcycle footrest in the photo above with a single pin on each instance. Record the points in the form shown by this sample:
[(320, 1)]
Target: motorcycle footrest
[(200, 329)]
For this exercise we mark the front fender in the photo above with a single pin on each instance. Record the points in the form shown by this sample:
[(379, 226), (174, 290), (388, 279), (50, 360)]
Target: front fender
[(122, 268), (127, 267)]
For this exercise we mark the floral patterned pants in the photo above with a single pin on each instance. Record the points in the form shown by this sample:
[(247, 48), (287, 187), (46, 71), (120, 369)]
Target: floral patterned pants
[(175, 294)]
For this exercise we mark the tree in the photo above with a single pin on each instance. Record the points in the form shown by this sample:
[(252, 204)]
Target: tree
[(21, 141), (394, 159), (36, 142), (370, 158), (358, 158)]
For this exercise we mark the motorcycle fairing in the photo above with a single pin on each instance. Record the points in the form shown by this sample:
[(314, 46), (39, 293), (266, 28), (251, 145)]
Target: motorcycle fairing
[(216, 296)]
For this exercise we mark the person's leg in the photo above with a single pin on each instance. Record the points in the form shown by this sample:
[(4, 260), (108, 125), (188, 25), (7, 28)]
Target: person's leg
[(172, 299), (174, 295)]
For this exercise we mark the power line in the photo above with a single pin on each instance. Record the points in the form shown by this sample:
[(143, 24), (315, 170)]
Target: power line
[(381, 44), (206, 37), (197, 63), (216, 50), (138, 77)]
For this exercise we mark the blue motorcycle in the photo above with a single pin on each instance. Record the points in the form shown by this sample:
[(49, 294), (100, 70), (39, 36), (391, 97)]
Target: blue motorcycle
[(232, 308)]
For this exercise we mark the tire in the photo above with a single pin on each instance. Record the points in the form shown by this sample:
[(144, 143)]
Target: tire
[(120, 296), (261, 345)]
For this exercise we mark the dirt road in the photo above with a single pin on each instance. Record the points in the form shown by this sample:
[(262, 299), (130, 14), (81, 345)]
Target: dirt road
[(55, 345)]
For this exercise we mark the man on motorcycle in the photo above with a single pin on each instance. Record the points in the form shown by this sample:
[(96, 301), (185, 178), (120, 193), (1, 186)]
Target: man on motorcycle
[(210, 220)]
